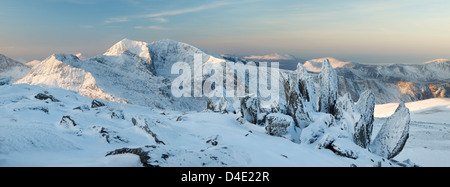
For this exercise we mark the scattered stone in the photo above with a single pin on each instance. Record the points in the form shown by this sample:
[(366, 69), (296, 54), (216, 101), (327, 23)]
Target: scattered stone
[(96, 104), (42, 96)]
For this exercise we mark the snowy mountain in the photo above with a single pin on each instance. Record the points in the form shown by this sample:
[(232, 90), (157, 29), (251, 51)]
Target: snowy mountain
[(118, 109), (391, 83), (125, 73), (271, 57), (12, 69), (315, 65)]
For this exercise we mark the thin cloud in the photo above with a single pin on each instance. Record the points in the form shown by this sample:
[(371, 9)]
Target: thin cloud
[(151, 27), (160, 20), (159, 15), (117, 20)]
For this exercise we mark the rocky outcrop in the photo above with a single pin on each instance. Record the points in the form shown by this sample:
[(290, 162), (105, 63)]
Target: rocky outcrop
[(43, 96), (278, 124), (393, 134), (328, 82), (366, 107)]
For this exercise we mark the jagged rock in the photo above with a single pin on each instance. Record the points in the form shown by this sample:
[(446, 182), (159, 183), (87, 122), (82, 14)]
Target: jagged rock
[(295, 103), (143, 155), (214, 140), (366, 107), (346, 111), (142, 123), (96, 104), (306, 86), (67, 122), (109, 136), (393, 135), (42, 96), (83, 108), (118, 114), (252, 111), (339, 145), (328, 87), (43, 109), (343, 148), (278, 124)]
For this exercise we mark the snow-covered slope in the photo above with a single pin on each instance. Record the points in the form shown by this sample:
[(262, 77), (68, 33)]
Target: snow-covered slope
[(12, 69), (55, 127)]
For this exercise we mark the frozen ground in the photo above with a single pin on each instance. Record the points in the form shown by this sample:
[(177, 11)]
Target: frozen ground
[(36, 132), (429, 139)]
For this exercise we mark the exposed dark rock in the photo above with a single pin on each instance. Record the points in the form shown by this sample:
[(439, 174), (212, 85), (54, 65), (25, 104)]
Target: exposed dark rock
[(109, 136), (96, 104), (214, 141), (143, 124), (5, 81), (67, 122), (143, 155), (42, 96)]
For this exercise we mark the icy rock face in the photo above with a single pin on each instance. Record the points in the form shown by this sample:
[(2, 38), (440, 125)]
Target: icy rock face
[(306, 86), (328, 87), (222, 104), (351, 120), (252, 111), (393, 135), (366, 106), (278, 124), (296, 104)]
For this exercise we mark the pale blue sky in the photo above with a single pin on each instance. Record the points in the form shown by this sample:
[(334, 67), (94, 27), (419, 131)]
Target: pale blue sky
[(396, 31)]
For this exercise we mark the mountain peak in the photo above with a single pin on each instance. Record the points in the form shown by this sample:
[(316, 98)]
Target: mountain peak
[(136, 47), (441, 60), (315, 65)]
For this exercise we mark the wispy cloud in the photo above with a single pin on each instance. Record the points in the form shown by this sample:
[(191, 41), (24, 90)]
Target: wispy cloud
[(159, 15), (117, 20), (151, 27), (160, 20)]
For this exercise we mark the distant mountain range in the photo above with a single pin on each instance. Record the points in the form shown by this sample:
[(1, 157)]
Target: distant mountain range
[(131, 70)]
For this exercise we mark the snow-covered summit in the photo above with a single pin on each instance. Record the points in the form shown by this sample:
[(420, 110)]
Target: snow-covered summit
[(315, 65), (165, 53), (135, 47), (441, 60), (123, 77), (10, 68)]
